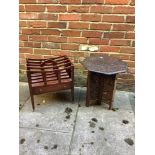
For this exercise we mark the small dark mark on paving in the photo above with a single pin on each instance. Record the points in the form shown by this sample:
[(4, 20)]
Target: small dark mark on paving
[(101, 128), (105, 139), (92, 143), (92, 131), (46, 147), (92, 124), (125, 121), (54, 146), (129, 141), (22, 141), (38, 141), (82, 145), (115, 109), (79, 105), (68, 117), (68, 110), (65, 120), (94, 119), (37, 125)]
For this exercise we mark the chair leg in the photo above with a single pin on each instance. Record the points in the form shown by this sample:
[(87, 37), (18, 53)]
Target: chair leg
[(32, 101), (72, 93)]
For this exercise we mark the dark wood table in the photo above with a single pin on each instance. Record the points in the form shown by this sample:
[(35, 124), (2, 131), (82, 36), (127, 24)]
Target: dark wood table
[(102, 71)]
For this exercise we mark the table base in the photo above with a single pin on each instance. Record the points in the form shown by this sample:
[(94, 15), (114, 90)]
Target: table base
[(100, 87)]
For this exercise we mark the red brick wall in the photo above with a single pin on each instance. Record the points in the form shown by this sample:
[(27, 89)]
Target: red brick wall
[(58, 27)]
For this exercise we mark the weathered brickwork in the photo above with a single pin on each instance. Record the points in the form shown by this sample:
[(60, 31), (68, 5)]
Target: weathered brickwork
[(78, 28)]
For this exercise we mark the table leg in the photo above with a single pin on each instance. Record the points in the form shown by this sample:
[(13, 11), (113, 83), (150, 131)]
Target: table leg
[(88, 89), (112, 94), (100, 91)]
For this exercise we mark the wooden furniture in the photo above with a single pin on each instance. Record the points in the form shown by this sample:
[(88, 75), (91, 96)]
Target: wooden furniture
[(49, 75), (102, 72)]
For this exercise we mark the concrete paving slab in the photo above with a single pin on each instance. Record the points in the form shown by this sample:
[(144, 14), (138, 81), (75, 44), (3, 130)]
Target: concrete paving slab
[(41, 142), (50, 113), (100, 131), (23, 94)]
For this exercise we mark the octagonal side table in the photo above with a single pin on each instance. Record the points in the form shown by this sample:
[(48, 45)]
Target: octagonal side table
[(102, 71)]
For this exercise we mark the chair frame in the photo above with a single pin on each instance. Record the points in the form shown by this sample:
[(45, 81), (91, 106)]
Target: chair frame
[(49, 75)]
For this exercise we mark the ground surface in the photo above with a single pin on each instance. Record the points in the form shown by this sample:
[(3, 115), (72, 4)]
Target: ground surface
[(60, 127)]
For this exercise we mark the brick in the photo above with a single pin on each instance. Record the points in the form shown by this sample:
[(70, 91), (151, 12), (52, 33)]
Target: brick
[(132, 57), (101, 9), (56, 52), (100, 27), (32, 44), (92, 1), (71, 33), (50, 32), (56, 8), (130, 50), (21, 44), (132, 2), (120, 42), (23, 37), (34, 8), (130, 63), (36, 56), (109, 49), (91, 34), (21, 55), (92, 18), (42, 51), (30, 31), (124, 56), (50, 45), (133, 43), (22, 61), (27, 1), (46, 16), (21, 8), (57, 24), (131, 70), (130, 35), (38, 38), (47, 1), (28, 15), (22, 24), (113, 19), (130, 19), (123, 27), (79, 9), (113, 35), (118, 2), (70, 1), (69, 46), (56, 39), (123, 10), (77, 40), (78, 25), (37, 24), (26, 50), (96, 41), (69, 17), (126, 76)]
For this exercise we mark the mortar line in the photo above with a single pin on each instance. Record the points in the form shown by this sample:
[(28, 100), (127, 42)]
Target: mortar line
[(74, 123)]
